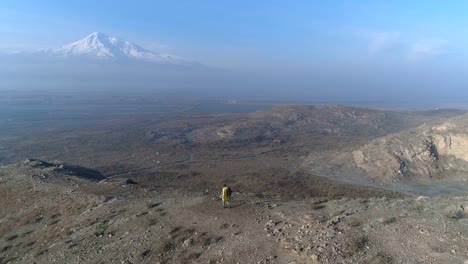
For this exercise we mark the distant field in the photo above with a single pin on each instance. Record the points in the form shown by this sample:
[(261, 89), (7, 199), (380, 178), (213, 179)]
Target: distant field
[(227, 108), (31, 116)]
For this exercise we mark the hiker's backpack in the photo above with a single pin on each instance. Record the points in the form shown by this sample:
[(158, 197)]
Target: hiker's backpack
[(229, 192)]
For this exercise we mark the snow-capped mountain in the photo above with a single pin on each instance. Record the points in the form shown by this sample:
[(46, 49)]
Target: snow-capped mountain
[(101, 46)]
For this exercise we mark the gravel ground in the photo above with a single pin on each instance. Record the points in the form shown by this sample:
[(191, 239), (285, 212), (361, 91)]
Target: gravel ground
[(48, 215)]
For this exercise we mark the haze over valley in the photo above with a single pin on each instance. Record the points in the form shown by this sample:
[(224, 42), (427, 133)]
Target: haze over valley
[(103, 64)]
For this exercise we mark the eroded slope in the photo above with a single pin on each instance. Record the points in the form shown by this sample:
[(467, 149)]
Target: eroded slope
[(430, 152)]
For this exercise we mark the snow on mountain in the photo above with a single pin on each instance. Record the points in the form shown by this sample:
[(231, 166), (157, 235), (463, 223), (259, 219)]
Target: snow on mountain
[(101, 46)]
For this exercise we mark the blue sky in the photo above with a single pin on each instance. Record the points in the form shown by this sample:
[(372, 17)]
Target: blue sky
[(252, 34)]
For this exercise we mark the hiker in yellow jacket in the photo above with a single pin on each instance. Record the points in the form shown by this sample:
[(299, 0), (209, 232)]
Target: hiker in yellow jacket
[(225, 195)]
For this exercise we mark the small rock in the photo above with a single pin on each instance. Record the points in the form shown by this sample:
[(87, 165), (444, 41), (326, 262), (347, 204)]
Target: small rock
[(420, 198), (187, 242), (128, 181), (270, 223)]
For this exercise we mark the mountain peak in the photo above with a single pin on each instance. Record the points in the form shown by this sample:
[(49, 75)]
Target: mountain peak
[(97, 34), (99, 45)]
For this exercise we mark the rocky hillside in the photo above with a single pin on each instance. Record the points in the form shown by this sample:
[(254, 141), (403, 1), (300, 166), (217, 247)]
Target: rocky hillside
[(427, 153), (48, 216), (298, 122)]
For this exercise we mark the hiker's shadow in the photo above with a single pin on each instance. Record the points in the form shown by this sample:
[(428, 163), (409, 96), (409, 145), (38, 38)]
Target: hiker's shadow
[(238, 204)]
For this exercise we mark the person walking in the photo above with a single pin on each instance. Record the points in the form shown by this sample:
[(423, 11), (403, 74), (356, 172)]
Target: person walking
[(225, 195)]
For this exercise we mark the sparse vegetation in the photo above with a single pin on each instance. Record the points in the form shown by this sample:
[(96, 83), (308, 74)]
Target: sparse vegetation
[(102, 228), (30, 243), (40, 252), (55, 221), (168, 247), (27, 233), (389, 220), (318, 206), (354, 222), (152, 222), (192, 256), (206, 241), (145, 253), (5, 248), (175, 230), (153, 205), (11, 238)]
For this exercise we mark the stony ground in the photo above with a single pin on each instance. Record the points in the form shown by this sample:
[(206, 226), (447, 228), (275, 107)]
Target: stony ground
[(49, 215)]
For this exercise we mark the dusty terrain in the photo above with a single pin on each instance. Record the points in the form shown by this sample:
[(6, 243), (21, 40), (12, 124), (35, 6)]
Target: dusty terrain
[(52, 215), (143, 186)]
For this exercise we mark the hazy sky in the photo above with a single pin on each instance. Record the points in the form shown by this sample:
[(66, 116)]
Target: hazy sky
[(422, 45), (252, 34)]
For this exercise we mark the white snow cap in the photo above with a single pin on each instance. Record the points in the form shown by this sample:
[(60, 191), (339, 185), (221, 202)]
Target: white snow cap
[(100, 45)]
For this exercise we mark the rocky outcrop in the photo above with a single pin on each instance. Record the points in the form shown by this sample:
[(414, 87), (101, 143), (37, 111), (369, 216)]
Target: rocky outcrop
[(46, 169), (427, 152)]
